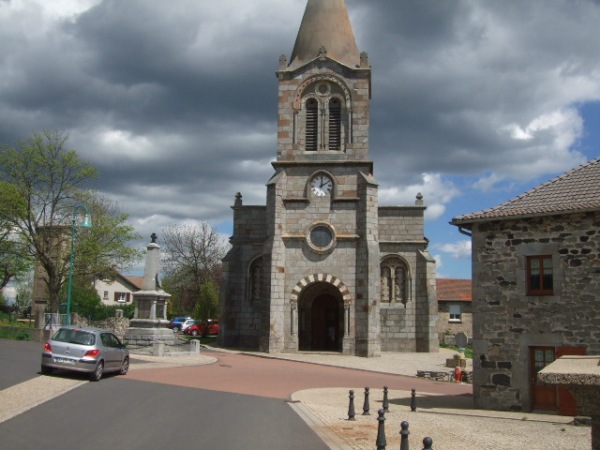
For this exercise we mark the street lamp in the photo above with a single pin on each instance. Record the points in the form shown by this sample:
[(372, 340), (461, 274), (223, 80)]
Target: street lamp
[(86, 223)]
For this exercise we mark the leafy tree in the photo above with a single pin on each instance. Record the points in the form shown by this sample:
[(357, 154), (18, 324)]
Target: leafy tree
[(48, 182), (14, 261), (85, 300), (192, 258), (208, 303), (24, 291)]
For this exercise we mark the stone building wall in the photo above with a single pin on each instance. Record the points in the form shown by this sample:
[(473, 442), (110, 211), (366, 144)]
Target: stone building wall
[(507, 322)]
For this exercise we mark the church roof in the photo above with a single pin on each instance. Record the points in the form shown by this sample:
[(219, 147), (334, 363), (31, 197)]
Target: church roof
[(325, 24), (577, 190)]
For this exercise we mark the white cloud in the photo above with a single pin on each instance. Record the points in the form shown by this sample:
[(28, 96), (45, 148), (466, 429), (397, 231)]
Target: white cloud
[(457, 250)]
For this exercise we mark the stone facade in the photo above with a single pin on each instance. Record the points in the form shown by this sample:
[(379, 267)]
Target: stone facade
[(305, 271), (508, 322), (536, 289)]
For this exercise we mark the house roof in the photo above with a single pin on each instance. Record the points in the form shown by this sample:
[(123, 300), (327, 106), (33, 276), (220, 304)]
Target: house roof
[(577, 190), (325, 24), (135, 280), (453, 289)]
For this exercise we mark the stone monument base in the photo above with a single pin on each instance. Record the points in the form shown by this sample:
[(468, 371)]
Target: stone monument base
[(147, 336)]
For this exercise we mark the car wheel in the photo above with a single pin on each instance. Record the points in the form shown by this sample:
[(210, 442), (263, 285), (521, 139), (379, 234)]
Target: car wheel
[(46, 370), (96, 375), (124, 367), (194, 332)]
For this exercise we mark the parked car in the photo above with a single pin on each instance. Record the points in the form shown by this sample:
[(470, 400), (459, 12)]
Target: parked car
[(203, 329), (85, 349), (177, 323)]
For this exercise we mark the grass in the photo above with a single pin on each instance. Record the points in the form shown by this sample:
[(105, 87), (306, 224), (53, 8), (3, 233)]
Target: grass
[(468, 351), (11, 333)]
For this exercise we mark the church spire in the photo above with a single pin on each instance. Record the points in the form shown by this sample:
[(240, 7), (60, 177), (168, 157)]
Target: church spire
[(325, 32)]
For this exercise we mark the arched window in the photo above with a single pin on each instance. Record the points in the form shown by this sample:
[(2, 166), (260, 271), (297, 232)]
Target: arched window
[(324, 119), (395, 281), (256, 272), (312, 125)]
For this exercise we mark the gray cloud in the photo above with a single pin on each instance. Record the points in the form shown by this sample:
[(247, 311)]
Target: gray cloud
[(176, 102)]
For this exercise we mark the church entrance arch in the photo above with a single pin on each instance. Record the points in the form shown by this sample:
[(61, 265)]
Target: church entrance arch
[(321, 318)]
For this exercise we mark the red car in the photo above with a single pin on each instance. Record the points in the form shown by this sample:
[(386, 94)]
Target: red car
[(203, 329)]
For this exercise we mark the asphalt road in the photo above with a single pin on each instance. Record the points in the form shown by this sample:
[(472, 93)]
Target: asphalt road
[(19, 361), (123, 413), (238, 402)]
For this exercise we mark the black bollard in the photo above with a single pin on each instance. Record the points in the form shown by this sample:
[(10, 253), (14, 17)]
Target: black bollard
[(386, 403), (413, 400), (381, 443), (427, 443), (404, 436), (366, 403), (351, 407)]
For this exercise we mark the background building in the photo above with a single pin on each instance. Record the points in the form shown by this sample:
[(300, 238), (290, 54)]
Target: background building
[(454, 308)]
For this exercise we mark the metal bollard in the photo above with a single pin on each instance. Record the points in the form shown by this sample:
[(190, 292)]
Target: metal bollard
[(386, 403), (413, 400), (427, 443), (404, 436), (351, 413), (366, 403), (381, 442)]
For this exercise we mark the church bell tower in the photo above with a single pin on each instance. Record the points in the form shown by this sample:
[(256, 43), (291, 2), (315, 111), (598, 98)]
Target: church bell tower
[(305, 271)]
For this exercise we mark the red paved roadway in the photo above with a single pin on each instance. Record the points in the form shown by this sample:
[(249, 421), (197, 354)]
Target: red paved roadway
[(276, 378)]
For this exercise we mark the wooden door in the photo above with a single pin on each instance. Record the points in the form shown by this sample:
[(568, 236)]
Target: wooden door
[(325, 332), (543, 396), (567, 406)]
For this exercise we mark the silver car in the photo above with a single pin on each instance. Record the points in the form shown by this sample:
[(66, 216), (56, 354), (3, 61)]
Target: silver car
[(85, 349)]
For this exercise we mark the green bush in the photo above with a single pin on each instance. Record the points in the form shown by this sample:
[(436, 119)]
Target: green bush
[(23, 336)]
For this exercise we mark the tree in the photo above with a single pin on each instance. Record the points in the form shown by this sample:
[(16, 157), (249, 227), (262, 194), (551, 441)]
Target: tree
[(13, 260), (24, 291), (192, 258), (47, 181), (208, 303)]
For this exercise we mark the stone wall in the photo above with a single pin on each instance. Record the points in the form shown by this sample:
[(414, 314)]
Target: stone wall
[(507, 322), (447, 329)]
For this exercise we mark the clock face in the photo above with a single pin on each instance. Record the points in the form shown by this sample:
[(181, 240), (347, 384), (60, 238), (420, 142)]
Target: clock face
[(321, 185)]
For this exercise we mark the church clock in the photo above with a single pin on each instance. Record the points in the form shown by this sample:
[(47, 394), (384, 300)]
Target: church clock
[(321, 185)]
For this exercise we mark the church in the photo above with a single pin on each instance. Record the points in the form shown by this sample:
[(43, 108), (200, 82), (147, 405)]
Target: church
[(322, 266)]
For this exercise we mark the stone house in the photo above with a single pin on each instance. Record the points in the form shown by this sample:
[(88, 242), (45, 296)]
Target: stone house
[(322, 266), (536, 289), (454, 308)]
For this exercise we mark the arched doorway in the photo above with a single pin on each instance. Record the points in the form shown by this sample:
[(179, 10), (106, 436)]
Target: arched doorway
[(321, 318)]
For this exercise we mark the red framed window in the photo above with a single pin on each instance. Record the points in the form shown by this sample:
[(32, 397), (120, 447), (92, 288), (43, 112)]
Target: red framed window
[(540, 278)]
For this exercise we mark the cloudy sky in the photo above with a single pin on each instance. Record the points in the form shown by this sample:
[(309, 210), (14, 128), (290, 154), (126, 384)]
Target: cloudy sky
[(474, 101)]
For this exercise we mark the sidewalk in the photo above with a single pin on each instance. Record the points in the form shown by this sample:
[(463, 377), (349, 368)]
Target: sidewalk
[(451, 421)]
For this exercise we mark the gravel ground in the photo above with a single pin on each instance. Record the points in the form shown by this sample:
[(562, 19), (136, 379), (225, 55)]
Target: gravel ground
[(450, 422)]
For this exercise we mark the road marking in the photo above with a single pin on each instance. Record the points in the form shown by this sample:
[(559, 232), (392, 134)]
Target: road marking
[(22, 397)]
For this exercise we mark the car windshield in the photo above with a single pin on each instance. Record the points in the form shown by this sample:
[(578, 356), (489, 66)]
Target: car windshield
[(74, 336)]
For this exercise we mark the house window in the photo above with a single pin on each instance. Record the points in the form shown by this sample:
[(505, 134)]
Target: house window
[(540, 278), (105, 295), (121, 297), (455, 313)]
